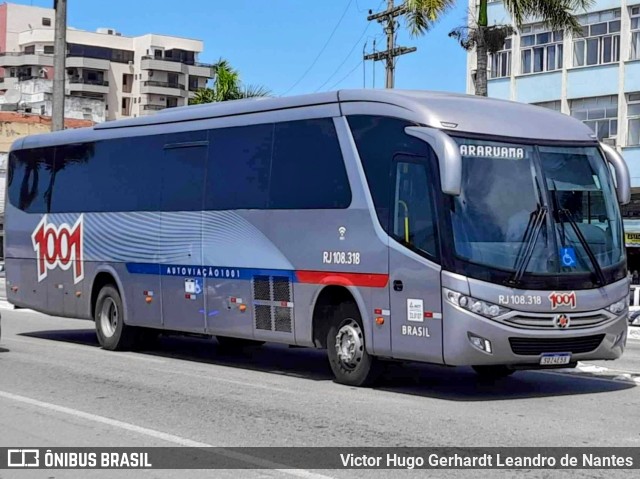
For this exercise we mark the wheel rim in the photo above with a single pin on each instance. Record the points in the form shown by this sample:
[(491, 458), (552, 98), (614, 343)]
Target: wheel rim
[(109, 317), (350, 345)]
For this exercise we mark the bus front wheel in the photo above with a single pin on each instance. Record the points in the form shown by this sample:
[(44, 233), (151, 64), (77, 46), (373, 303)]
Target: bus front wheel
[(112, 333), (350, 362)]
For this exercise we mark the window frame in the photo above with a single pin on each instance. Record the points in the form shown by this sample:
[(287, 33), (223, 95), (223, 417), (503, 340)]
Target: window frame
[(593, 118), (502, 60), (613, 35), (634, 14), (555, 41), (634, 117), (427, 164)]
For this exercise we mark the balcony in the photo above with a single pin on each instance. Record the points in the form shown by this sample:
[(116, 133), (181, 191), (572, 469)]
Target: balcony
[(85, 62), (20, 59), (163, 88), (200, 70), (88, 86), (8, 83), (176, 66), (150, 109)]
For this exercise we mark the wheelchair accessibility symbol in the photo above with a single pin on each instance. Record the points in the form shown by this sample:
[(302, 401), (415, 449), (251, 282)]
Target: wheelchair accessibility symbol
[(568, 257)]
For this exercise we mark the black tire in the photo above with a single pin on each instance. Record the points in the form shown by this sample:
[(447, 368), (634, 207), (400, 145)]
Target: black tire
[(112, 333), (359, 368), (493, 372), (231, 344)]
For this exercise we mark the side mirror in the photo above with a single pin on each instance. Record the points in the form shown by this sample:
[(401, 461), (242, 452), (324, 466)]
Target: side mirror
[(448, 153), (623, 179)]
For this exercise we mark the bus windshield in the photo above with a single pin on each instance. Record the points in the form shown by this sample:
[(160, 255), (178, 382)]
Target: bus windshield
[(497, 222)]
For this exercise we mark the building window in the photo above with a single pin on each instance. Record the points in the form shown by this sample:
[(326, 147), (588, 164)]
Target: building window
[(598, 113), (601, 39), (46, 21), (48, 49), (30, 50), (500, 62), (551, 105), (633, 113), (635, 33), (541, 50)]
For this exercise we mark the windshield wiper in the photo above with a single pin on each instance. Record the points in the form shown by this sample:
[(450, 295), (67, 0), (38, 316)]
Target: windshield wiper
[(587, 248), (528, 245)]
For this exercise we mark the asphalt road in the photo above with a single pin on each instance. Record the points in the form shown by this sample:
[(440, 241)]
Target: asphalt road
[(58, 388)]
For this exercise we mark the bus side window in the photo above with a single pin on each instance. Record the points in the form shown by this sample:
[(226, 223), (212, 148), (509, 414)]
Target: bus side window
[(413, 219), (30, 179)]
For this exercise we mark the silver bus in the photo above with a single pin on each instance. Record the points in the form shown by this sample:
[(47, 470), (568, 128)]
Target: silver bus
[(402, 225)]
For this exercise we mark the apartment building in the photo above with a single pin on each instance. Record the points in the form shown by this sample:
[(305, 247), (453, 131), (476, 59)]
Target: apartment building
[(594, 77), (109, 75)]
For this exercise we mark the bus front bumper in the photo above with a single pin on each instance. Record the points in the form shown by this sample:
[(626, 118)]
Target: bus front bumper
[(472, 340)]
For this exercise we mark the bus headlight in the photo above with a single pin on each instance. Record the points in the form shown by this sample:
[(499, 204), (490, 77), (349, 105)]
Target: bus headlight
[(477, 306), (618, 307)]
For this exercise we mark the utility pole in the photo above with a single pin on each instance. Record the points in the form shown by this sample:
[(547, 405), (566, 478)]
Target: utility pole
[(389, 55), (59, 61)]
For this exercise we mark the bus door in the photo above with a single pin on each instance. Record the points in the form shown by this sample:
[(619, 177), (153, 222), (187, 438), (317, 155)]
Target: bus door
[(181, 200), (414, 272)]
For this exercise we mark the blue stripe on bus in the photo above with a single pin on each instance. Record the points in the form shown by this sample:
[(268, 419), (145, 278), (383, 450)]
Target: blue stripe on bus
[(219, 272)]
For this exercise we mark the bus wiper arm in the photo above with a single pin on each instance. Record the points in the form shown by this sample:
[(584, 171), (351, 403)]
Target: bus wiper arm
[(528, 245), (585, 245)]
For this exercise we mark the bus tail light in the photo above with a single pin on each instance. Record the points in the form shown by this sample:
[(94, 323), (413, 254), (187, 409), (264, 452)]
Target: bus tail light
[(242, 308), (379, 320)]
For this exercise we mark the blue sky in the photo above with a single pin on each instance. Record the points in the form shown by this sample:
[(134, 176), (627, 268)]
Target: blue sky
[(274, 42)]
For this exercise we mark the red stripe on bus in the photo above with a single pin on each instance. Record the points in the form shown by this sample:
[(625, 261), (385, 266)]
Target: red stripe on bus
[(370, 280)]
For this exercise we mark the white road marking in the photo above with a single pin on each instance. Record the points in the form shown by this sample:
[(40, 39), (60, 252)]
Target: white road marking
[(87, 348), (210, 377), (180, 441)]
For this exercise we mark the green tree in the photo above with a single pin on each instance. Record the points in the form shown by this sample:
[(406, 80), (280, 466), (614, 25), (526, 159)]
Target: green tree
[(227, 86), (485, 38)]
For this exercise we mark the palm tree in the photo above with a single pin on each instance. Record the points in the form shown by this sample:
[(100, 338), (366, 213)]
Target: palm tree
[(485, 39), (227, 86)]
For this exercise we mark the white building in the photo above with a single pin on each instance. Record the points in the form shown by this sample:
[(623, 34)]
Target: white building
[(129, 76)]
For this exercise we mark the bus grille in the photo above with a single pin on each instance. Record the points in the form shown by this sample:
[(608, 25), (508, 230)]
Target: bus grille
[(273, 306), (535, 346), (545, 321)]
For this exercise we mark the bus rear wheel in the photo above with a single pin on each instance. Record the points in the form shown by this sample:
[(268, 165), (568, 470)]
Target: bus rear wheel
[(493, 372), (350, 362), (112, 333)]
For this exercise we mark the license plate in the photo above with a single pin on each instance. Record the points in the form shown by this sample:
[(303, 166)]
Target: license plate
[(555, 358)]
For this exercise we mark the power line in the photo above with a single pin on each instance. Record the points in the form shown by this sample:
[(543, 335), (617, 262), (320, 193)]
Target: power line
[(389, 55), (321, 50), (348, 54), (347, 75), (345, 58)]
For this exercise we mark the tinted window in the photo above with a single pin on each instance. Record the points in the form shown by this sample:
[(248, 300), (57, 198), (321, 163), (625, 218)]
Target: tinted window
[(183, 173), (111, 175), (378, 140), (413, 219), (308, 170), (30, 179), (239, 162)]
